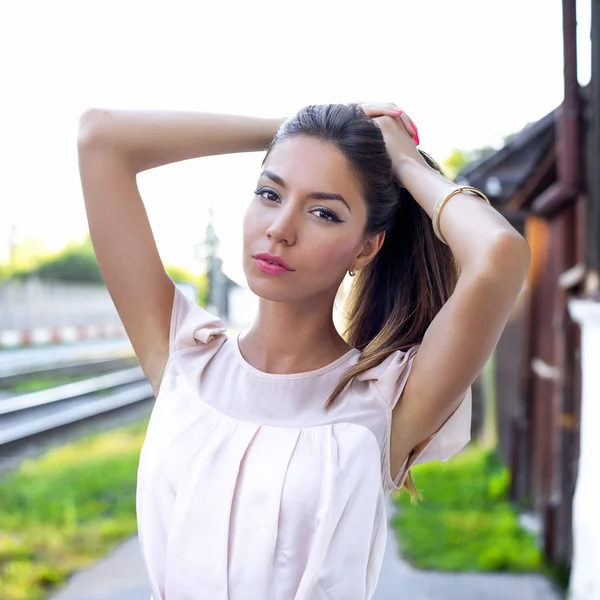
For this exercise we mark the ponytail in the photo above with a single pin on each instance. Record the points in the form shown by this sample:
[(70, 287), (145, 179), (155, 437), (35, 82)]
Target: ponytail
[(396, 296)]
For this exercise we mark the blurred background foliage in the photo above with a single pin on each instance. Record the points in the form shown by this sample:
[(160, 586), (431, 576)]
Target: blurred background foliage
[(76, 263), (465, 521), (62, 511)]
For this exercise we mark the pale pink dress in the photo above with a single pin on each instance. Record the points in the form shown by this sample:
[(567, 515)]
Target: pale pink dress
[(248, 490)]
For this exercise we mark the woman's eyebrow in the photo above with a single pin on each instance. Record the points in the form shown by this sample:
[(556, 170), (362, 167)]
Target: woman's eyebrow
[(314, 195), (273, 177)]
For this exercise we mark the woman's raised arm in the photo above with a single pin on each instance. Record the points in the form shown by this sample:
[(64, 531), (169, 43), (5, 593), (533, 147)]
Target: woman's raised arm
[(115, 145), (493, 259), (150, 138)]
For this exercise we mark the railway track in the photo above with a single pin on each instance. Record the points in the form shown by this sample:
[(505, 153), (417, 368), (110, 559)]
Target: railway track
[(114, 392), (33, 414)]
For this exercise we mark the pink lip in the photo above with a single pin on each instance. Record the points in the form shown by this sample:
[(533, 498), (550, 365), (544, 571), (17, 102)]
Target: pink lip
[(271, 264)]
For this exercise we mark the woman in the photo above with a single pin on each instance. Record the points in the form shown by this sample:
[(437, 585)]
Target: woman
[(268, 455)]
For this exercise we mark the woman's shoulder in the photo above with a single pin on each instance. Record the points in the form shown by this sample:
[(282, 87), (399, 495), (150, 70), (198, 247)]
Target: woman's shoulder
[(192, 325), (389, 376), (387, 381)]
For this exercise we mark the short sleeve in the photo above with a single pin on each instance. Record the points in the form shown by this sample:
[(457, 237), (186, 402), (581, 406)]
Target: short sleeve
[(389, 380), (191, 325), (449, 439)]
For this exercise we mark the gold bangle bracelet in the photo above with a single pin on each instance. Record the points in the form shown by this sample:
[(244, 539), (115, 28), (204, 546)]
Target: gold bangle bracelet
[(439, 205)]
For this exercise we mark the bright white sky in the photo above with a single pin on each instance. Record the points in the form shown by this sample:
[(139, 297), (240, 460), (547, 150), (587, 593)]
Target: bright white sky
[(466, 71)]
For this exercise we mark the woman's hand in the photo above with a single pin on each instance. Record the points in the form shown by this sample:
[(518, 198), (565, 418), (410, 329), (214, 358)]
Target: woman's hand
[(399, 133)]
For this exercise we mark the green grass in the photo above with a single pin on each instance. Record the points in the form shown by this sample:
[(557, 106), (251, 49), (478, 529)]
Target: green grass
[(465, 521), (60, 512)]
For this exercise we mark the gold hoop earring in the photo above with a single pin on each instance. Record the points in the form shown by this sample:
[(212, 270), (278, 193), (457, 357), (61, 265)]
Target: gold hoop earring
[(352, 272)]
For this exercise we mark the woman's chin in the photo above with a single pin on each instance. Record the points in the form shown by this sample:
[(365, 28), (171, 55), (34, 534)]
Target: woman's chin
[(269, 288)]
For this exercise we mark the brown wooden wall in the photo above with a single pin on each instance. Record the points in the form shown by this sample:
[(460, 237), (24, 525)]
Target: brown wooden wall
[(538, 385)]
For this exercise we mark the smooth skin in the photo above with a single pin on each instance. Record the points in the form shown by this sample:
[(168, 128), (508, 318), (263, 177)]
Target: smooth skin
[(319, 237)]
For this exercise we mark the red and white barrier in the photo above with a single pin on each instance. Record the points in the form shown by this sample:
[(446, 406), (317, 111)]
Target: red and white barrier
[(11, 338)]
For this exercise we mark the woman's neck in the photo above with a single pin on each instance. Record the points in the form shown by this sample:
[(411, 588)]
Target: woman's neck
[(292, 337)]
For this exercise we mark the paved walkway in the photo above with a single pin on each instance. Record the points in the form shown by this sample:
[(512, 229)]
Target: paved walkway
[(121, 576)]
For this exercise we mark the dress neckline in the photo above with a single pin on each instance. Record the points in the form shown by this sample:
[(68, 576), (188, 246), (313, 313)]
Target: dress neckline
[(286, 376)]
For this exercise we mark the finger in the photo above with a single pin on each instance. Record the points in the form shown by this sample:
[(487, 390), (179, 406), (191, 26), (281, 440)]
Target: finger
[(410, 127), (380, 110), (392, 109), (374, 110)]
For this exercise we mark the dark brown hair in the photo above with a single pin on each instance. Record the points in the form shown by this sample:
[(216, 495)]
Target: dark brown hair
[(396, 296)]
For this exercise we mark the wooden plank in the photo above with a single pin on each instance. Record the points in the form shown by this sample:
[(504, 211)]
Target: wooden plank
[(593, 148)]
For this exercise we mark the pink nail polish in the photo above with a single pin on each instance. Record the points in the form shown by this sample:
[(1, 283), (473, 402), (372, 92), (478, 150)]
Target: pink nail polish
[(417, 139), (398, 111), (415, 128)]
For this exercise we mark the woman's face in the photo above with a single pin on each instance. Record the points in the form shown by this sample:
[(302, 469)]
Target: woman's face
[(308, 215)]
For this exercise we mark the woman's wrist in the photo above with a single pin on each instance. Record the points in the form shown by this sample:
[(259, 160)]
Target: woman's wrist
[(424, 183), (406, 168)]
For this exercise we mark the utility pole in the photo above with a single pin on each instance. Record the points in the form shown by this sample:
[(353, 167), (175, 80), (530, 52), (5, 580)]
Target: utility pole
[(593, 156), (217, 283)]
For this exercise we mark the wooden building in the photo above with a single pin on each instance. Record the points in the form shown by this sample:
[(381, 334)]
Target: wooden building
[(546, 181)]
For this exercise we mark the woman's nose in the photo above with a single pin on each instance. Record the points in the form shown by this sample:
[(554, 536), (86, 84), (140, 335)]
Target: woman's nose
[(282, 229)]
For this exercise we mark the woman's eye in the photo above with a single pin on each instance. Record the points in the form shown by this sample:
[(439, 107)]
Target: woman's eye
[(326, 215), (267, 194)]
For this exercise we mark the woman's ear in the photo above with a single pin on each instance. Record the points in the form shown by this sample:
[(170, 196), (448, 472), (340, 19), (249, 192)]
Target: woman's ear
[(371, 247)]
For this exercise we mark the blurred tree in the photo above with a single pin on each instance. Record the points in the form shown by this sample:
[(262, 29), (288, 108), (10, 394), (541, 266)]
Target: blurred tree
[(26, 254), (77, 263), (455, 162), (178, 274), (5, 272), (458, 159)]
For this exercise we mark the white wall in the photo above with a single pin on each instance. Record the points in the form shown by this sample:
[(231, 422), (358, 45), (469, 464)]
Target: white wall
[(585, 573), (243, 305), (38, 303)]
